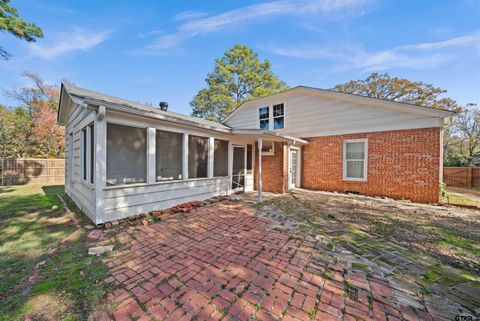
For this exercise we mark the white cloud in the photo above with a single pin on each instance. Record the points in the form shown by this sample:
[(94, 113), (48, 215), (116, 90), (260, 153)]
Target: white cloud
[(416, 56), (189, 15), (67, 42), (214, 23)]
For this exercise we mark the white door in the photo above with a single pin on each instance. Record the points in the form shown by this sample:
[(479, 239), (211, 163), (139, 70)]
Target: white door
[(294, 168)]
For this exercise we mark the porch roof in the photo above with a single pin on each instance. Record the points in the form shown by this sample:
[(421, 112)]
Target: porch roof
[(72, 94)]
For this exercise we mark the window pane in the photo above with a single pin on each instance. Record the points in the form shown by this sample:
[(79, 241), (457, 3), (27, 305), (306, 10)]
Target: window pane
[(264, 124), (355, 169), (70, 156), (278, 123), (220, 158), (84, 153), (126, 154), (197, 156), (264, 112), (168, 155), (355, 150), (92, 154), (278, 110)]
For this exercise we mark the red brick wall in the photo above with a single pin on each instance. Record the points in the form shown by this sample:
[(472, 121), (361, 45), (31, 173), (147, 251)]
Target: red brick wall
[(401, 164), (274, 169)]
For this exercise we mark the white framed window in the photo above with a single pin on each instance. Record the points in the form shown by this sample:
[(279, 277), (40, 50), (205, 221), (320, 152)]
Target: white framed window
[(70, 157), (278, 116), (268, 147), (83, 153), (87, 153), (264, 118), (355, 156)]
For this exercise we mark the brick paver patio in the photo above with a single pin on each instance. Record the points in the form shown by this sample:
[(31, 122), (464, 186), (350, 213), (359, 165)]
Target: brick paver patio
[(223, 262)]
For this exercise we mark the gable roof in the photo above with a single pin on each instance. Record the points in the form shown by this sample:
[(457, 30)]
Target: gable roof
[(406, 107), (70, 94)]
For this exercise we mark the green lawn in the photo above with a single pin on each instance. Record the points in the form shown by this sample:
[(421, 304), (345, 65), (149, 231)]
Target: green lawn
[(457, 199), (68, 286)]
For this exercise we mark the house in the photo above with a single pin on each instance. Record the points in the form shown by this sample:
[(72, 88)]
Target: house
[(125, 158)]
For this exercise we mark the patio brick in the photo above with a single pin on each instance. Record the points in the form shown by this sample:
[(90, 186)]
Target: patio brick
[(222, 262)]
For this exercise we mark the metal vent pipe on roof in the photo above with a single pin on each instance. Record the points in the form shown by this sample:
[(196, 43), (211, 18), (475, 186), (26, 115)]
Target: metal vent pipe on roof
[(163, 106)]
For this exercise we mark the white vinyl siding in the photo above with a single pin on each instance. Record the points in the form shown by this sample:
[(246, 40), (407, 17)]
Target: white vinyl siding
[(123, 201), (309, 115), (79, 190), (355, 156)]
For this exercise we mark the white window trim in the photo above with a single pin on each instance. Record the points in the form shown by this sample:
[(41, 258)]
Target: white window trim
[(83, 151), (269, 116), (365, 161), (71, 157), (273, 116), (89, 155)]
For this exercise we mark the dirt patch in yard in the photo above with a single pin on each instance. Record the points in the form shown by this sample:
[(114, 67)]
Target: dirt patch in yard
[(449, 233)]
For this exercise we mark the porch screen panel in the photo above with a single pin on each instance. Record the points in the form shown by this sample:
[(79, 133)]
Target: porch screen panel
[(168, 153), (126, 154), (197, 156), (220, 158)]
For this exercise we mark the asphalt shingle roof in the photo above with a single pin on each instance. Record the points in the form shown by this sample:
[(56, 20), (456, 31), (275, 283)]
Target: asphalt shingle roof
[(93, 96)]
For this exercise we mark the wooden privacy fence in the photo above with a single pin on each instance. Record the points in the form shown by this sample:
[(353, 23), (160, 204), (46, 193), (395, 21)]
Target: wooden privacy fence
[(462, 176), (22, 171)]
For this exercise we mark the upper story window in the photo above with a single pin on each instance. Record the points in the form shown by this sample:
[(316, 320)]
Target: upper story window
[(278, 119), (264, 115), (355, 155)]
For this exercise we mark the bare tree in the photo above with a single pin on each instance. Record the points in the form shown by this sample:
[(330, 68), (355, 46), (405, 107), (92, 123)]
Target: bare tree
[(467, 126)]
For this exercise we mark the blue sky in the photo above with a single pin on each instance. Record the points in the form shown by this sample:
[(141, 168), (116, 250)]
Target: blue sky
[(151, 51)]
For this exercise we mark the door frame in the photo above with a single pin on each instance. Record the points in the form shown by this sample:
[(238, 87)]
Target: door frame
[(299, 168), (239, 189)]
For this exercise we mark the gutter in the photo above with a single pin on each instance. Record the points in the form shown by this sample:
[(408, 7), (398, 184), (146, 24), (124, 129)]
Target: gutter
[(259, 132)]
